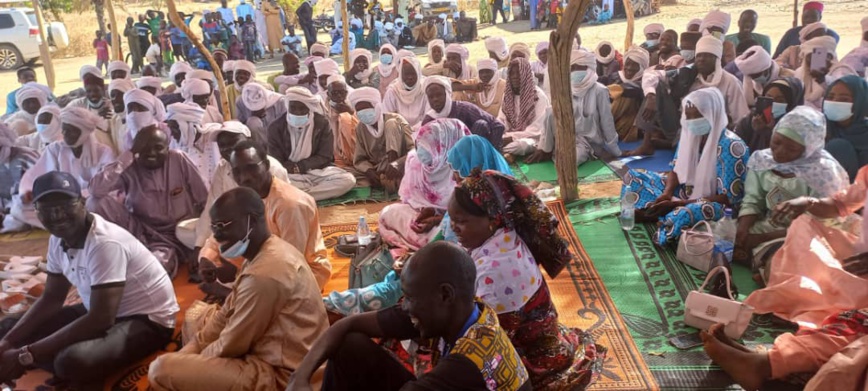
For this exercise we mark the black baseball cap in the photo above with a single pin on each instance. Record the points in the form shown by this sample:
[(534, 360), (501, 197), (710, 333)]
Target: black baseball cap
[(56, 182)]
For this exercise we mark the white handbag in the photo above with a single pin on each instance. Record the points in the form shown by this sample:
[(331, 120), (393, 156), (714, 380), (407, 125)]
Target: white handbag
[(701, 310), (695, 247)]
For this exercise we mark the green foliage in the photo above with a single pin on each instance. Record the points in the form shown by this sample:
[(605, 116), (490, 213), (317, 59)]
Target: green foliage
[(56, 7)]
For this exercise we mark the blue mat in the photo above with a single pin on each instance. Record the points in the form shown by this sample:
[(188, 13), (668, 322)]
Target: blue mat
[(659, 162)]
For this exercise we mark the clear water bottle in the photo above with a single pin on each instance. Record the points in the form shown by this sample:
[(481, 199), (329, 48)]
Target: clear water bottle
[(363, 232), (724, 234), (627, 218)]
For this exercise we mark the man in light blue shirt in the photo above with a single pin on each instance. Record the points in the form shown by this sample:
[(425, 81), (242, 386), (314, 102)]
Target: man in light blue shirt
[(244, 9)]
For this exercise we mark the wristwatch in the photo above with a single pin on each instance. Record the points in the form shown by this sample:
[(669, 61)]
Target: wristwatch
[(25, 358)]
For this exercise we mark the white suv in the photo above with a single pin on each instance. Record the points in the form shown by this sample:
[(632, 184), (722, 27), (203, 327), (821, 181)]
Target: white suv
[(19, 37)]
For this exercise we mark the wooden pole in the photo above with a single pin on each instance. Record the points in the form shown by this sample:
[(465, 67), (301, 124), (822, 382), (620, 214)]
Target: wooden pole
[(117, 50), (795, 13), (628, 8), (44, 54), (345, 50), (560, 46), (218, 72)]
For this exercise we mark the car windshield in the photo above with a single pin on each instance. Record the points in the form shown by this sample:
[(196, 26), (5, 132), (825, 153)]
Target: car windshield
[(32, 17)]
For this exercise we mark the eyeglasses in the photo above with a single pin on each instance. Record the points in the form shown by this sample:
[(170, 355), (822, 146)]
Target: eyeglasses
[(53, 209), (220, 225)]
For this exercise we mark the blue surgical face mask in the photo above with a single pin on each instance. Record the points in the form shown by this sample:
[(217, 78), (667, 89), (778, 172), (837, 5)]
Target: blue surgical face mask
[(424, 156), (838, 111), (688, 55), (240, 247), (778, 109), (367, 116), (699, 126), (298, 121), (651, 42), (576, 77), (386, 59), (41, 127)]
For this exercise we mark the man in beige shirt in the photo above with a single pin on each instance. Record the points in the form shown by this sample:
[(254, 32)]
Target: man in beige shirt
[(270, 320), (290, 213)]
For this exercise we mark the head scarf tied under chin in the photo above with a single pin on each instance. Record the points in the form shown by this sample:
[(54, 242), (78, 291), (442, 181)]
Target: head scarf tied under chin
[(510, 204), (816, 166), (436, 43), (446, 83), (302, 138), (363, 76), (461, 51), (581, 57), (475, 151), (711, 45), (639, 56), (192, 87), (52, 132), (752, 61), (520, 118), (256, 97), (428, 179), (692, 166), (189, 119), (413, 103), (372, 96), (386, 70)]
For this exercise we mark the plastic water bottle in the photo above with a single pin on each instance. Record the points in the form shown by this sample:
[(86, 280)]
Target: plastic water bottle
[(627, 218), (724, 235), (363, 232)]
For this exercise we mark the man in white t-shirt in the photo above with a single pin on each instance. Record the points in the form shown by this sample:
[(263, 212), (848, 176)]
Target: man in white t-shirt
[(128, 306)]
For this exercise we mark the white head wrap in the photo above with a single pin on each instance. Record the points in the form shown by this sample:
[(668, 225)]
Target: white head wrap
[(520, 47), (810, 29), (462, 52), (372, 96), (813, 91), (192, 87), (122, 85), (256, 97), (117, 65), (487, 63), (605, 59), (136, 121), (412, 102), (447, 85), (544, 45), (326, 67), (588, 59), (27, 92), (229, 66), (692, 167), (81, 118), (715, 18), (354, 55), (652, 28), (152, 82), (755, 60), (302, 138), (52, 132), (431, 45), (489, 92), (711, 45), (694, 22), (189, 118), (232, 127), (641, 57), (319, 49), (179, 67), (335, 78), (389, 26), (497, 45), (89, 70), (386, 70), (244, 65)]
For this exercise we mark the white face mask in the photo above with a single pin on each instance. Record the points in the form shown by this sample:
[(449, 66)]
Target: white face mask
[(688, 55), (838, 111), (137, 120)]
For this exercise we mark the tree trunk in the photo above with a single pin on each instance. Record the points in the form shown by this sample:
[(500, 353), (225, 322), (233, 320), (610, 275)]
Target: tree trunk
[(117, 49), (99, 7), (44, 54), (628, 8), (562, 102), (194, 39), (345, 49)]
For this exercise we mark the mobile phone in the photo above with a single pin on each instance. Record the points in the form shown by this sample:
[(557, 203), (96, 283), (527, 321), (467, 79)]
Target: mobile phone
[(686, 341), (819, 57), (764, 107)]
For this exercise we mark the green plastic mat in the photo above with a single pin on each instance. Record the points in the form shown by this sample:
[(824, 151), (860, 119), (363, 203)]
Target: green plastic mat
[(589, 172), (649, 286), (359, 195)]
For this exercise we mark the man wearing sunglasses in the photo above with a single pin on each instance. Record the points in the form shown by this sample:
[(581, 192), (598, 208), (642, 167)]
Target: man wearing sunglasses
[(128, 305)]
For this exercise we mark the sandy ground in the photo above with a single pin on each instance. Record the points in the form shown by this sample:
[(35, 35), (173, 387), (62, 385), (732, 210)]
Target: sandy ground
[(775, 18)]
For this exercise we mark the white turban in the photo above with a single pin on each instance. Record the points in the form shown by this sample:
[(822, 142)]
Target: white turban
[(52, 132), (122, 85), (520, 47), (303, 95), (372, 96), (179, 67), (487, 63), (694, 22), (810, 29), (605, 59), (326, 67), (28, 92), (319, 49), (639, 56), (825, 41), (117, 65), (144, 98), (151, 81), (89, 70), (189, 118), (582, 57), (192, 87), (233, 127), (301, 139), (360, 52), (389, 26), (201, 74), (244, 65), (81, 118), (435, 43), (497, 45), (542, 46), (458, 49), (754, 60), (229, 66), (711, 45), (256, 97), (447, 85), (654, 28), (310, 60), (716, 18)]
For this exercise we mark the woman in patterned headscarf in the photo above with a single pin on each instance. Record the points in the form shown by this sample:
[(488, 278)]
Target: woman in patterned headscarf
[(523, 111), (509, 232)]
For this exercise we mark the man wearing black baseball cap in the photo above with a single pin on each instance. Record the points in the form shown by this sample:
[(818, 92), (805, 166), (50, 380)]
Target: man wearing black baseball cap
[(128, 304)]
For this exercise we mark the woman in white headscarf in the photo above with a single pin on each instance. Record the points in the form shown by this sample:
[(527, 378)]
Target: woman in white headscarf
[(184, 121), (436, 56), (425, 188), (456, 66), (47, 129), (360, 74), (386, 67), (259, 107), (383, 139), (406, 95), (708, 175), (626, 93), (15, 160), (143, 109), (303, 143)]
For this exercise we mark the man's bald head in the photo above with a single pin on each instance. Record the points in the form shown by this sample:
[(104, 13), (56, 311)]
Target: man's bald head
[(241, 199), (291, 64), (439, 263)]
